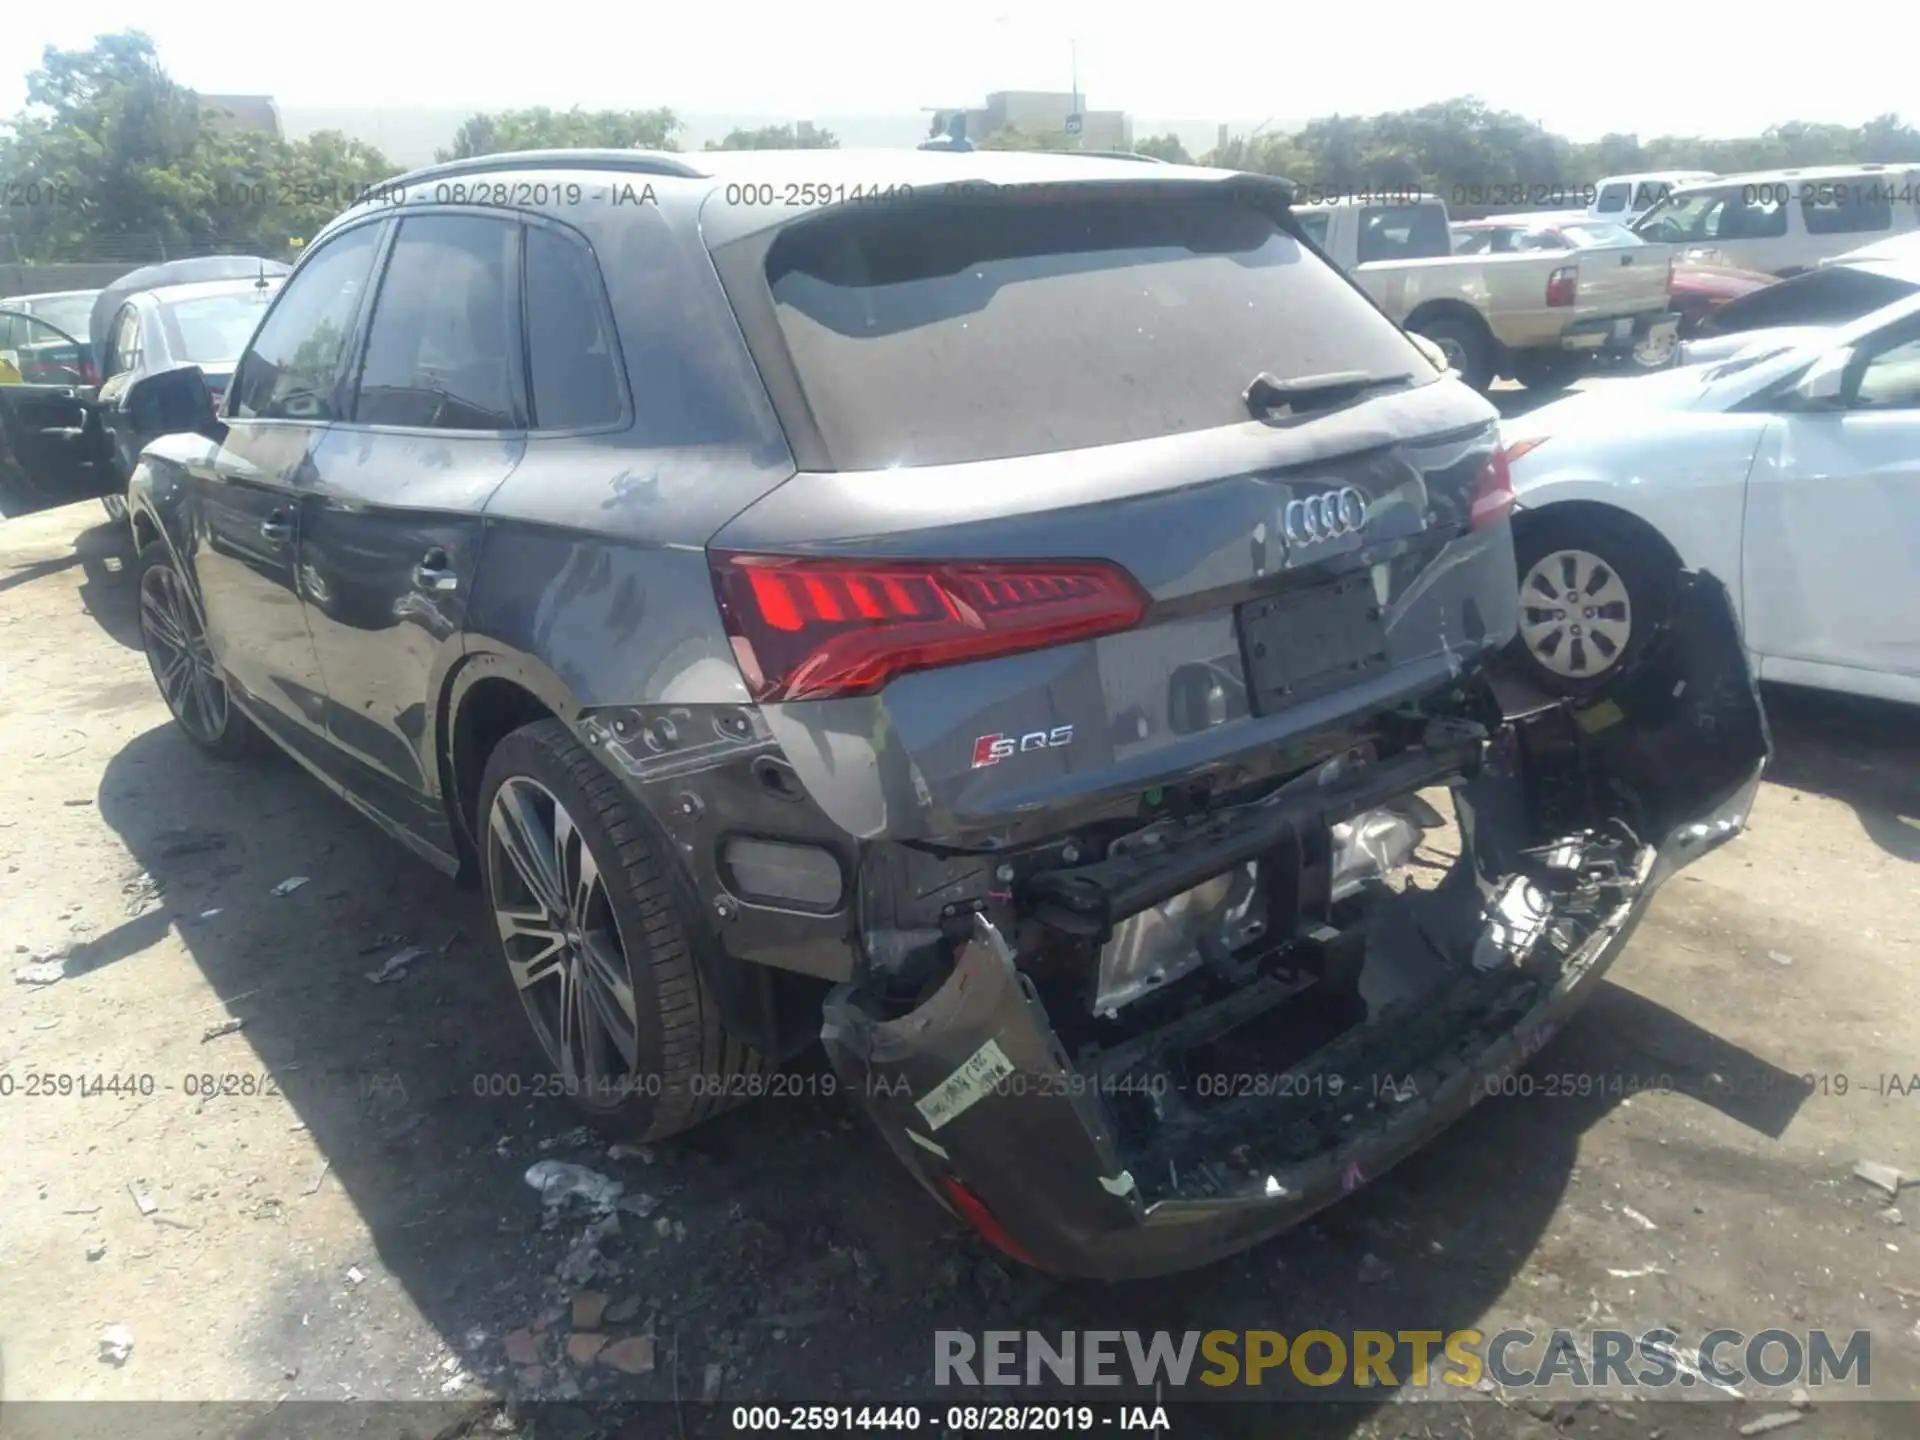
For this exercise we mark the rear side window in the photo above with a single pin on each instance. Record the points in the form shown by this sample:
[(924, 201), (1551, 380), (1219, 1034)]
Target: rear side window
[(1403, 232), (440, 347), (937, 333), (288, 373), (571, 353), (123, 345), (1611, 200), (1315, 224), (1852, 207)]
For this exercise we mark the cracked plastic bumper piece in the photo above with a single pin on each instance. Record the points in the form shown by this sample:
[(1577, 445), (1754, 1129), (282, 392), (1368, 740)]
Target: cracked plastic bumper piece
[(1127, 1162)]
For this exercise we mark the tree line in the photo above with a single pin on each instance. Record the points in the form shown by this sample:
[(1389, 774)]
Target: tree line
[(111, 158)]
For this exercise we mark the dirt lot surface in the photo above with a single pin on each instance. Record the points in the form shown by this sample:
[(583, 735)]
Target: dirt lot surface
[(328, 1202)]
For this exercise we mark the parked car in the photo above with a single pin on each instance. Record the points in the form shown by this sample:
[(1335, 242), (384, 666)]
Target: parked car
[(1786, 221), (1535, 317), (1625, 198), (1507, 234), (1697, 292), (964, 631), (190, 312), (64, 310), (1790, 311), (1792, 471), (49, 434)]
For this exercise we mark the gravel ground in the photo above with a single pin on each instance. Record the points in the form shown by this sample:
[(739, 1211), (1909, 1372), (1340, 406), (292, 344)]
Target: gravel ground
[(345, 1216)]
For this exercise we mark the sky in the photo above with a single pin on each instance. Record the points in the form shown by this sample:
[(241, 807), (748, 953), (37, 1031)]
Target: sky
[(1702, 70)]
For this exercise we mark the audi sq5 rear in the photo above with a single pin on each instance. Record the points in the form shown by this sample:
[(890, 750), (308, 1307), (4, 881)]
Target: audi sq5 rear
[(1025, 621)]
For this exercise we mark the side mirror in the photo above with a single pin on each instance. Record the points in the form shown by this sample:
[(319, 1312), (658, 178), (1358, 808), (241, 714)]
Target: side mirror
[(170, 403), (1820, 388), (1436, 357)]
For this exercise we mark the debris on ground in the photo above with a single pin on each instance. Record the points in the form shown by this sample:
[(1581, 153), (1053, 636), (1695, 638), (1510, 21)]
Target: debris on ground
[(148, 1205), (355, 1275), (559, 1181), (41, 972), (1634, 1215), (638, 1205), (581, 1348), (1779, 957), (1373, 1270), (1892, 1215), (1800, 1399), (447, 1387), (1779, 1420), (141, 892), (522, 1347), (621, 1311), (642, 1153), (447, 944), (318, 1176), (1881, 1177), (571, 1140), (633, 1356), (1641, 1273), (288, 886), (584, 1262), (588, 1307), (396, 966), (231, 1026), (96, 1249), (116, 1344)]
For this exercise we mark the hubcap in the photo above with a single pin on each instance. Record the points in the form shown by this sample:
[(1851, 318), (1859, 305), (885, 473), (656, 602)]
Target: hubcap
[(562, 941), (1455, 352), (178, 653), (1653, 353), (1575, 614)]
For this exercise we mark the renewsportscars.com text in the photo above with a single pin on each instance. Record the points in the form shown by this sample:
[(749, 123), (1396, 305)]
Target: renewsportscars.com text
[(1517, 1359)]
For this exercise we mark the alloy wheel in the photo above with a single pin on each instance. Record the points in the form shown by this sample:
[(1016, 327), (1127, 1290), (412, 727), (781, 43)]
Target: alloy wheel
[(180, 658), (1576, 616), (562, 941)]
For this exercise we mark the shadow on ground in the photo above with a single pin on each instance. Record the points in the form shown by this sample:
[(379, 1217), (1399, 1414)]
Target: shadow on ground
[(103, 553), (1863, 752)]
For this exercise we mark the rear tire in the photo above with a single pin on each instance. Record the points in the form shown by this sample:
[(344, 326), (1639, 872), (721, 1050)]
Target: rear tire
[(182, 662), (600, 934), (1466, 344), (115, 506), (1593, 588)]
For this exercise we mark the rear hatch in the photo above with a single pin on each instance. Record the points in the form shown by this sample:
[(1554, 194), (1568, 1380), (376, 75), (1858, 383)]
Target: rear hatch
[(1053, 541)]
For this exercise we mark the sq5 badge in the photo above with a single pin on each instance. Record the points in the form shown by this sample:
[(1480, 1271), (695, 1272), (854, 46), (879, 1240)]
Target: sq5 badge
[(992, 749)]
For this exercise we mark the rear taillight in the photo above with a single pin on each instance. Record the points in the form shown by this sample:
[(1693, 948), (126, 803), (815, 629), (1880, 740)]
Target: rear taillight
[(214, 397), (974, 1210), (88, 374), (1563, 285), (805, 628), (1493, 494)]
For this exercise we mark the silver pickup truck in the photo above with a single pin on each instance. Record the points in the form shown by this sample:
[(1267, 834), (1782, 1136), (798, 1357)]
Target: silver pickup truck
[(1536, 317)]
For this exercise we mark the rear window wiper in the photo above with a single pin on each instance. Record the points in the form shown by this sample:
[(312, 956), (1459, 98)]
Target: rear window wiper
[(1314, 392)]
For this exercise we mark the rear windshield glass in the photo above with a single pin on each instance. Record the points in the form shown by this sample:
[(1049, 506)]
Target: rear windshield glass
[(214, 327), (1824, 297), (936, 333), (71, 313)]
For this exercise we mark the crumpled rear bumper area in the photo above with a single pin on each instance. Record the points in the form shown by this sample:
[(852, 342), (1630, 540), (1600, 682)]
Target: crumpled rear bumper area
[(1238, 1118)]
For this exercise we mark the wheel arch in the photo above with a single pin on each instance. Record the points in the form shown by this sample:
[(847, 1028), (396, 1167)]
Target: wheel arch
[(1449, 309), (1528, 518), (486, 697)]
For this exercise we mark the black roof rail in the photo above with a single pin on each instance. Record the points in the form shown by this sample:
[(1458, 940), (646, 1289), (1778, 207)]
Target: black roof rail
[(633, 162)]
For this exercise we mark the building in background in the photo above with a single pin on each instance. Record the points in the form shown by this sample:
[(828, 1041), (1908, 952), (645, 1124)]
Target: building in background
[(1047, 112), (238, 114)]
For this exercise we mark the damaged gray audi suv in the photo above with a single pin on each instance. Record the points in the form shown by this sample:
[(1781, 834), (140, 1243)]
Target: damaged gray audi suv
[(1011, 618)]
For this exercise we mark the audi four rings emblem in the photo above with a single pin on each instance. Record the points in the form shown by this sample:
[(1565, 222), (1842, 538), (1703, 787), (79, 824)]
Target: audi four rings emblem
[(1326, 516)]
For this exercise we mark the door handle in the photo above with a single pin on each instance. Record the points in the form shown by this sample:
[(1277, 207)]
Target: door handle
[(276, 529), (436, 572)]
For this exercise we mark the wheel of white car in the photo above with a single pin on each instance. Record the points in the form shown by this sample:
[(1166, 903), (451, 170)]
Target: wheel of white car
[(1656, 352), (1592, 589)]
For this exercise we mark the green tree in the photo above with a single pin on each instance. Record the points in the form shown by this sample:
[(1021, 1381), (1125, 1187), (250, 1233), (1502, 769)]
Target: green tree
[(117, 159), (1012, 137), (1262, 155), (541, 128), (801, 136), (1164, 147)]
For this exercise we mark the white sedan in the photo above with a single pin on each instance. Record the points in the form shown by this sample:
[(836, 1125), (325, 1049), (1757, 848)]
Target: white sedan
[(1791, 472)]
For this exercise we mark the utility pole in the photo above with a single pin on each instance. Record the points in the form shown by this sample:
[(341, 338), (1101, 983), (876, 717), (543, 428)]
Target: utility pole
[(1076, 121)]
